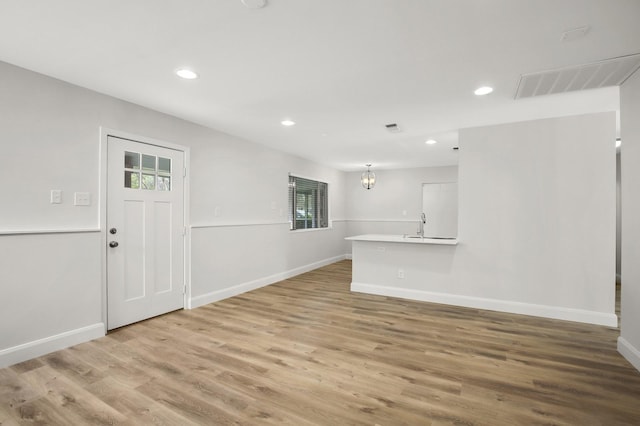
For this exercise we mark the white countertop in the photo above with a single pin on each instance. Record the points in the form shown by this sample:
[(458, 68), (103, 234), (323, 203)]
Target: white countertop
[(387, 238)]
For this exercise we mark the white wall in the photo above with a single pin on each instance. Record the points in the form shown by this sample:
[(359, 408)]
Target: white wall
[(440, 207), (618, 218), (248, 232), (394, 205), (629, 341), (536, 225), (537, 211), (51, 292)]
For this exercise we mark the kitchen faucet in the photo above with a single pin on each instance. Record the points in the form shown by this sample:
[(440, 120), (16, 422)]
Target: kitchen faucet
[(421, 223)]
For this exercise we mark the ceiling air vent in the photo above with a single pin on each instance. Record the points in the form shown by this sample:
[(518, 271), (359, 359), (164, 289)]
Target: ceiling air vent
[(610, 72), (393, 128)]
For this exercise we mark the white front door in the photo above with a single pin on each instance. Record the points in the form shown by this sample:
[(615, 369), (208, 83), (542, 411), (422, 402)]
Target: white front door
[(145, 231)]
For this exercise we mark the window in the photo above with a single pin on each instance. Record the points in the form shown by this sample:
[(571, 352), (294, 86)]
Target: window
[(308, 205), (156, 172)]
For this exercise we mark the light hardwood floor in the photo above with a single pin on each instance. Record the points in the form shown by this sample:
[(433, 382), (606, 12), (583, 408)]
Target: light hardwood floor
[(307, 351)]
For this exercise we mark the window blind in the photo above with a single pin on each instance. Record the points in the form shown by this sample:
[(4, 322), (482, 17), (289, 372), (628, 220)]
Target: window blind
[(308, 204)]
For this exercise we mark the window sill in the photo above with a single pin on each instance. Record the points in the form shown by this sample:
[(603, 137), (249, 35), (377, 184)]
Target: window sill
[(311, 229)]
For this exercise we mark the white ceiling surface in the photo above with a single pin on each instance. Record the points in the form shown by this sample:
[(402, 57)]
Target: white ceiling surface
[(341, 69)]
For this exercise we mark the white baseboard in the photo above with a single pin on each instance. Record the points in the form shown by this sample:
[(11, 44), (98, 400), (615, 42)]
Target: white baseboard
[(627, 350), (348, 256), (225, 293), (567, 314), (50, 344)]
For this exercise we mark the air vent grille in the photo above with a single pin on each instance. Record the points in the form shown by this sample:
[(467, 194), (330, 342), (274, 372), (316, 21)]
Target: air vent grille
[(393, 128), (610, 72)]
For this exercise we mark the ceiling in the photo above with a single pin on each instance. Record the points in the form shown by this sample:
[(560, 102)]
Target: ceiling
[(341, 69)]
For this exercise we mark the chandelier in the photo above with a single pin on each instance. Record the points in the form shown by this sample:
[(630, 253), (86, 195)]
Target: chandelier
[(368, 178)]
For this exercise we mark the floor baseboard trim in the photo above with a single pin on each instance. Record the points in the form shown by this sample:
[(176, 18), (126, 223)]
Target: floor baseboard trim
[(36, 348), (554, 312), (225, 293), (628, 351)]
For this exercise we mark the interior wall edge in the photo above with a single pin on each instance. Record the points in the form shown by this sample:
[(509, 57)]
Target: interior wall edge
[(36, 348), (630, 218)]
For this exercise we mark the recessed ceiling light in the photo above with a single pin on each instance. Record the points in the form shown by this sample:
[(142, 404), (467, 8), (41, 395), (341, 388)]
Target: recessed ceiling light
[(186, 74), (430, 141), (287, 122), (254, 4), (484, 90)]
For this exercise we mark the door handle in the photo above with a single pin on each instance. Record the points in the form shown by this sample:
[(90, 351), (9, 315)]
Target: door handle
[(113, 244)]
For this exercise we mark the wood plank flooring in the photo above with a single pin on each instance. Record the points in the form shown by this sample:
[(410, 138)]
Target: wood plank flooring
[(306, 351)]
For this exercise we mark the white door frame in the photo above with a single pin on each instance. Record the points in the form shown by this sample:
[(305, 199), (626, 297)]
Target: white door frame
[(104, 135)]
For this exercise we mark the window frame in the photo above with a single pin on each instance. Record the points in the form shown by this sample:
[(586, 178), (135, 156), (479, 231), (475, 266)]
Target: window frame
[(292, 206)]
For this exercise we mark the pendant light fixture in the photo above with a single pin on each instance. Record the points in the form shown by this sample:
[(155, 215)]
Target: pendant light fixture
[(368, 178)]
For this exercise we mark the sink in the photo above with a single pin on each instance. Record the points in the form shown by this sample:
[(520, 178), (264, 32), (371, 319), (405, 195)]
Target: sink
[(430, 238)]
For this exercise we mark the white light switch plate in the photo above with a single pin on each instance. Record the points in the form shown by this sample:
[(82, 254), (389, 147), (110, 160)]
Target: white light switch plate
[(82, 199), (56, 196)]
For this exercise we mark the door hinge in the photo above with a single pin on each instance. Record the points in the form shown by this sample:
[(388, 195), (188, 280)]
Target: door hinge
[(184, 231), (184, 289), (184, 172)]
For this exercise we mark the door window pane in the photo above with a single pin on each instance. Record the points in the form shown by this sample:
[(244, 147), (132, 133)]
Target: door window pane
[(131, 180), (148, 181), (131, 160), (149, 162), (164, 183), (164, 165)]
